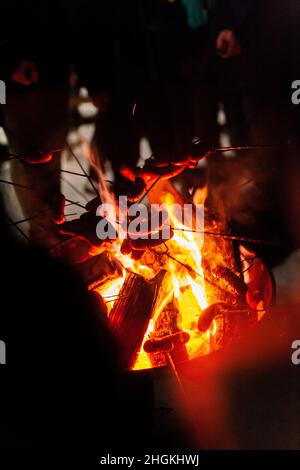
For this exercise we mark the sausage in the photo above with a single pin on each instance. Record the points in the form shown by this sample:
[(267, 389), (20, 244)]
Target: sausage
[(218, 308), (58, 208), (166, 343), (39, 158), (208, 315), (137, 190), (234, 283), (136, 255), (136, 248), (200, 150), (93, 205), (147, 243), (126, 247), (85, 227)]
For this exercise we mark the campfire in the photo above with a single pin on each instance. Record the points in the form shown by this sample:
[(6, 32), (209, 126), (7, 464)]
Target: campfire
[(166, 288), (185, 297)]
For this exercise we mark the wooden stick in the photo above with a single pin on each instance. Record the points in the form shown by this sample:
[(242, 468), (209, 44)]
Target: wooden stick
[(16, 227), (15, 184), (75, 189), (82, 169)]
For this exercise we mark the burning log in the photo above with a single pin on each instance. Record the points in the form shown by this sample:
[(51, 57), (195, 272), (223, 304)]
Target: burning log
[(131, 314), (167, 339)]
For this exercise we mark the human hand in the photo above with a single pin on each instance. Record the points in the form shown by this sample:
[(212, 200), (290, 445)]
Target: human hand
[(227, 44), (26, 73)]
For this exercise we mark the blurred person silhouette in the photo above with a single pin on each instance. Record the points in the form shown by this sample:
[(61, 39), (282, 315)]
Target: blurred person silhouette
[(269, 62), (144, 88), (62, 386), (149, 95), (36, 109), (265, 34), (215, 73), (185, 78)]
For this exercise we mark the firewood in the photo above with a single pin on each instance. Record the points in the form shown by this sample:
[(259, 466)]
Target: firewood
[(167, 338), (131, 314)]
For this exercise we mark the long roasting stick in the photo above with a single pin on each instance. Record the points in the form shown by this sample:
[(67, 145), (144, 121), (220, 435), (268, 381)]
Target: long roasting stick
[(83, 170), (75, 203), (18, 185), (73, 173), (14, 156), (18, 222), (175, 373), (149, 189), (231, 237), (80, 193), (188, 268), (62, 242), (17, 227)]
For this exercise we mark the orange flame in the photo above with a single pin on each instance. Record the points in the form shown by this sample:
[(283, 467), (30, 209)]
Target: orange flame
[(184, 281)]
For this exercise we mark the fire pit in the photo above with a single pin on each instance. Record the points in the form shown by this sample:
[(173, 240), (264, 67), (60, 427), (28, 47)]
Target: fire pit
[(184, 298)]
